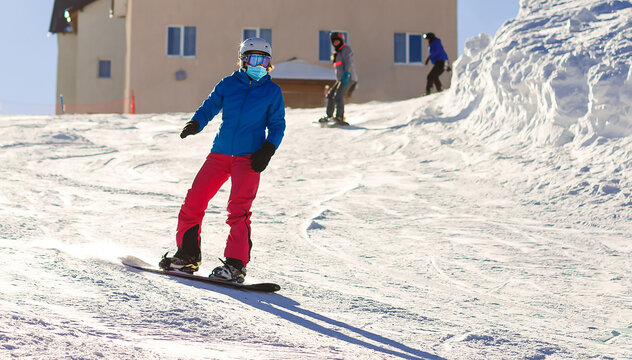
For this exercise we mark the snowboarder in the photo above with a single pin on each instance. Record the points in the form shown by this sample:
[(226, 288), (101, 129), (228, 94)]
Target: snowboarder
[(346, 78), (251, 103), (439, 59)]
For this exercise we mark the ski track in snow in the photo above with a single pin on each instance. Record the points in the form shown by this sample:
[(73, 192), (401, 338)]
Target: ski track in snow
[(491, 221)]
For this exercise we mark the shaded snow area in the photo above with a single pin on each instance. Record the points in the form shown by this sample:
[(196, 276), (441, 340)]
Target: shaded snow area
[(491, 221)]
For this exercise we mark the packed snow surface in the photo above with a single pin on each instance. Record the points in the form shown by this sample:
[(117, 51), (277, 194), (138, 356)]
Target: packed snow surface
[(491, 221)]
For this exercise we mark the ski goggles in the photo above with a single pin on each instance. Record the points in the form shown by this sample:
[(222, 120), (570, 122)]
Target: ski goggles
[(256, 60)]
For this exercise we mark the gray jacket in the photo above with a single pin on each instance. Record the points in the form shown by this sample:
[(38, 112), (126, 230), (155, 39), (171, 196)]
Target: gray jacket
[(343, 62)]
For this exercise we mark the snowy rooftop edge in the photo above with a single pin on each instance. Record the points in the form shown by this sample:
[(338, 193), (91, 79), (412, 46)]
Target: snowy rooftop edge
[(301, 70)]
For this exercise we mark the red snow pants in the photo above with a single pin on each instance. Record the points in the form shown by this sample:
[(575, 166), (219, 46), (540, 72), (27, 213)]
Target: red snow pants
[(244, 184)]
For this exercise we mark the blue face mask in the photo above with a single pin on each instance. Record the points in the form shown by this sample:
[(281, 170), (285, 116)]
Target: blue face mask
[(256, 72)]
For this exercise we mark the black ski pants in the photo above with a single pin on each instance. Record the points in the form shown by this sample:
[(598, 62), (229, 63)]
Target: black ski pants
[(336, 99), (433, 76)]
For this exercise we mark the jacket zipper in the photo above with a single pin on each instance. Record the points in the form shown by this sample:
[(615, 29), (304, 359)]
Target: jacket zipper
[(241, 111)]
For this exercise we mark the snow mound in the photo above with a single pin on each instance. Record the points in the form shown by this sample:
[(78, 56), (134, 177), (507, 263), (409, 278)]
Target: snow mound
[(545, 106), (559, 73)]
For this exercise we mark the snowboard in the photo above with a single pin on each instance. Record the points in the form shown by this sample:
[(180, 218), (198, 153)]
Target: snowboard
[(139, 264)]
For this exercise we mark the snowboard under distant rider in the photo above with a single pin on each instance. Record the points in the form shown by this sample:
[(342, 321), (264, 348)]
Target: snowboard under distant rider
[(439, 59), (342, 59), (251, 103)]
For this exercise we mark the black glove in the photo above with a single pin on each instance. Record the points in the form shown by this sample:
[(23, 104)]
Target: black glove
[(191, 128), (259, 159)]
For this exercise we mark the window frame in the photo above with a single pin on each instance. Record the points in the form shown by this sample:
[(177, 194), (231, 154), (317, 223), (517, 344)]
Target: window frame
[(407, 44), (182, 42), (331, 47)]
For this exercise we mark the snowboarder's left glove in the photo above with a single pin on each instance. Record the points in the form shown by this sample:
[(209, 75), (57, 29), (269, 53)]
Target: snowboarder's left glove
[(259, 159), (191, 128), (345, 78)]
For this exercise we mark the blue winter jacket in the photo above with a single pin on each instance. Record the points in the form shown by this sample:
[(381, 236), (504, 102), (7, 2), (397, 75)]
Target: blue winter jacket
[(249, 108), (436, 51)]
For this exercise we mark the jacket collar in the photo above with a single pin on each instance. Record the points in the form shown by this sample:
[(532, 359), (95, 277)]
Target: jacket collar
[(340, 47)]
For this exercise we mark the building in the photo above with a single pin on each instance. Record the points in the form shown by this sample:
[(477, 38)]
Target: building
[(169, 54)]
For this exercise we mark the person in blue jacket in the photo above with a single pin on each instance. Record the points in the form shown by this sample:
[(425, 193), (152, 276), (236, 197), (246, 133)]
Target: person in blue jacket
[(251, 104), (439, 60)]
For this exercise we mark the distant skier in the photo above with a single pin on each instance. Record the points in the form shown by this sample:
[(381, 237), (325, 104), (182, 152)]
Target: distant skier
[(251, 103), (342, 59), (439, 59)]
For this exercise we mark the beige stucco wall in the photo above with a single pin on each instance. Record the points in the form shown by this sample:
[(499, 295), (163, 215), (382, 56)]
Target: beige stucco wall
[(295, 25), (99, 37), (66, 70)]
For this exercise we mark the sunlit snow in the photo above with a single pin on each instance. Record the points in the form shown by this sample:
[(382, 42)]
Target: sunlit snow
[(491, 221)]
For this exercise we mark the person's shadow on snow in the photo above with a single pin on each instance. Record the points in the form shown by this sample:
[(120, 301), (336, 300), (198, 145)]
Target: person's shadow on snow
[(291, 311)]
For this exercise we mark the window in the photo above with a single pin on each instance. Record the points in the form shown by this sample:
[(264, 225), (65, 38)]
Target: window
[(188, 48), (181, 41), (407, 48), (265, 34), (324, 44), (105, 69), (173, 41)]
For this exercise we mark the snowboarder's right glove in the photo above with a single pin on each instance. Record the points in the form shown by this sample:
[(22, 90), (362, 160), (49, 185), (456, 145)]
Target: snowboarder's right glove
[(259, 159), (191, 128)]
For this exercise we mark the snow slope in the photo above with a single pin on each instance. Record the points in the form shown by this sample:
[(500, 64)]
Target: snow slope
[(491, 221)]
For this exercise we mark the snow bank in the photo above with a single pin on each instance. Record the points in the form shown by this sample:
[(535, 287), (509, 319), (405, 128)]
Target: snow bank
[(546, 106), (559, 73)]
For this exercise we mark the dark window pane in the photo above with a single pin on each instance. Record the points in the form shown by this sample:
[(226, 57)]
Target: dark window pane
[(173, 41), (324, 46), (266, 34), (400, 48), (105, 69), (189, 40), (248, 33), (414, 48)]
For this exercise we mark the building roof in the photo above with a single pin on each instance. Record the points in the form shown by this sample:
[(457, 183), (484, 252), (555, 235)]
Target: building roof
[(301, 70), (58, 22)]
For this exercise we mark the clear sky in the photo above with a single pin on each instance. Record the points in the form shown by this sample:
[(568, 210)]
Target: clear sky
[(28, 62)]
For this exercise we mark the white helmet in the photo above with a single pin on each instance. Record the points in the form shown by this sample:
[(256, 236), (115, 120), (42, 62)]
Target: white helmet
[(255, 44)]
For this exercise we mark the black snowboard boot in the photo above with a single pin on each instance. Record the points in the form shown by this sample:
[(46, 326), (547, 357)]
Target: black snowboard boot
[(340, 121), (188, 257), (232, 270)]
